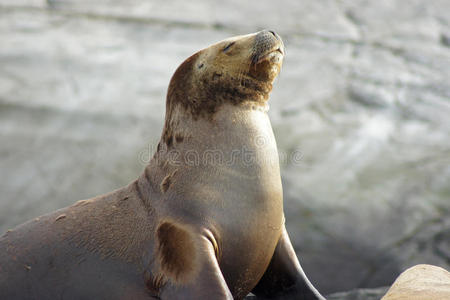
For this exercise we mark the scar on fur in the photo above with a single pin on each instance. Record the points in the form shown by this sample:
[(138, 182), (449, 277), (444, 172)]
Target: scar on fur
[(82, 202), (167, 181), (60, 217)]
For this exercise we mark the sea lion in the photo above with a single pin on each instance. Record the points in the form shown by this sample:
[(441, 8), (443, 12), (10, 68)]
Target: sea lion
[(203, 221)]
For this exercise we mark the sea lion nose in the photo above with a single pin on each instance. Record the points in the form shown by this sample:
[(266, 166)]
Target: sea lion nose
[(267, 35), (278, 38), (275, 34), (265, 40)]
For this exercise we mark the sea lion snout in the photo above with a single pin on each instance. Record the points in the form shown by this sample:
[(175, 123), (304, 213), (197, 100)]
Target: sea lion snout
[(267, 56), (267, 42)]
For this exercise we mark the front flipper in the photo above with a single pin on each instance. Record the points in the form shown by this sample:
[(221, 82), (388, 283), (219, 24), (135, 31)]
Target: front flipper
[(189, 263), (284, 277)]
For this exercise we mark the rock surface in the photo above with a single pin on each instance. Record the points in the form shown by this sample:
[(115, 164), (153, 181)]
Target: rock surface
[(421, 282), (360, 111)]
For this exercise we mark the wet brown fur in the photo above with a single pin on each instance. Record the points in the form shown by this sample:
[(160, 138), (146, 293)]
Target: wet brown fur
[(176, 252)]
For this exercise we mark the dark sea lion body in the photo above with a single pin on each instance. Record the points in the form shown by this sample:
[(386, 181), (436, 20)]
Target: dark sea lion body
[(204, 220)]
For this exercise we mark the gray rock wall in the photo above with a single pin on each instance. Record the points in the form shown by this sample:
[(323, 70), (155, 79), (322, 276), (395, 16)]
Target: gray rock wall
[(364, 96)]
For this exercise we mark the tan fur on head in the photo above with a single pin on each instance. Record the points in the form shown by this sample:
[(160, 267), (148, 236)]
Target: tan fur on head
[(176, 252), (235, 71)]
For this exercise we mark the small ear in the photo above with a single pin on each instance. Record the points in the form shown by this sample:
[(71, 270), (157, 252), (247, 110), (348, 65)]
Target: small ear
[(176, 252)]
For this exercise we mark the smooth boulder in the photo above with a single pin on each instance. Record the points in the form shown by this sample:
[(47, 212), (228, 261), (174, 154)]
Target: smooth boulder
[(421, 282)]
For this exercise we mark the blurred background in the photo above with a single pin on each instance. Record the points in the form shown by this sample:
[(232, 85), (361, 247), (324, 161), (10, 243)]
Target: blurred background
[(364, 95)]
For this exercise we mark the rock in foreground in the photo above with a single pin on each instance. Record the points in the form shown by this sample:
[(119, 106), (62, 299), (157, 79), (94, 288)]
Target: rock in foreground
[(421, 282)]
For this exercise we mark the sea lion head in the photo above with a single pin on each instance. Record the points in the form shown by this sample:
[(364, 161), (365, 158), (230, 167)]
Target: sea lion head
[(235, 70)]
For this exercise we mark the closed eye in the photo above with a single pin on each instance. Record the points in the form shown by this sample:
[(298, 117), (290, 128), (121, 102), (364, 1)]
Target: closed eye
[(228, 46)]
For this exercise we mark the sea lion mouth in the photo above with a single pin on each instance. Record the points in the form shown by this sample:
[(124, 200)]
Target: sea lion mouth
[(274, 56)]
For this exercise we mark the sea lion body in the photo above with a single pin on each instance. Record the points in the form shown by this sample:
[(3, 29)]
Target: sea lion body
[(203, 221)]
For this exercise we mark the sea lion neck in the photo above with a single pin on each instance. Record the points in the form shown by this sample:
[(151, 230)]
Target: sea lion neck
[(230, 119)]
